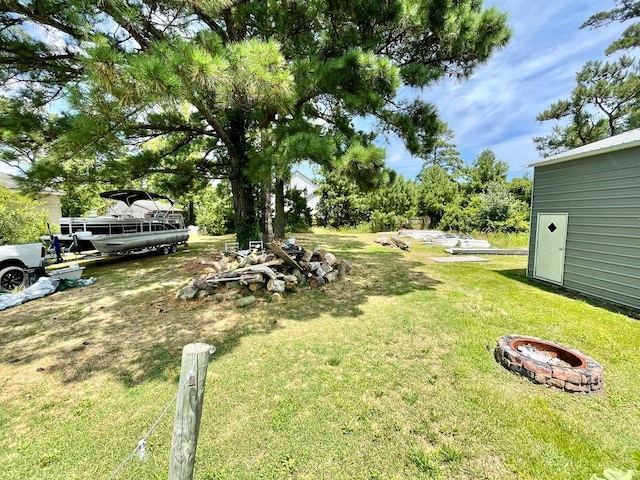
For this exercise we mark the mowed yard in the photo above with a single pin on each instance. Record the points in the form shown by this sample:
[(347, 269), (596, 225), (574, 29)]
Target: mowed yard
[(387, 375)]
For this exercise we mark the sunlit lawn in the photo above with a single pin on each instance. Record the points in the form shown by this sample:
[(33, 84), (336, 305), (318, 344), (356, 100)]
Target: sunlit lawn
[(389, 374)]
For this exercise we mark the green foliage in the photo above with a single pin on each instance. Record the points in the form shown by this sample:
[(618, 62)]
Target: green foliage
[(518, 218), (27, 131), (397, 197), (384, 222), (461, 215), (437, 198), (214, 209), (521, 188), (482, 203), (341, 203), (616, 474), (443, 153), (625, 10), (486, 168), (297, 213), (494, 210), (364, 165), (606, 98), (495, 203), (344, 203), (205, 89), (435, 191), (82, 199), (21, 218), (603, 103)]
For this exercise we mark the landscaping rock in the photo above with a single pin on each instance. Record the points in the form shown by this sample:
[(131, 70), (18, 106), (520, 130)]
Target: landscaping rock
[(246, 301), (187, 292)]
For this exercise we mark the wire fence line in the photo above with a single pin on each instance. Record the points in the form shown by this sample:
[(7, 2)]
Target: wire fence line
[(141, 447), (190, 378)]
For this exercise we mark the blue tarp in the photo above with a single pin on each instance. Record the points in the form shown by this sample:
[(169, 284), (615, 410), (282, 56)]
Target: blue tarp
[(43, 287)]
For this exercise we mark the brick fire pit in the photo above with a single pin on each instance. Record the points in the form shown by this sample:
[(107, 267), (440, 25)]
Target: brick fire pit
[(549, 363)]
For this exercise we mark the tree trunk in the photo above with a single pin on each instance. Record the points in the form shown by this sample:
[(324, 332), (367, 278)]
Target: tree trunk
[(267, 222), (192, 213), (246, 220), (279, 223), (244, 192)]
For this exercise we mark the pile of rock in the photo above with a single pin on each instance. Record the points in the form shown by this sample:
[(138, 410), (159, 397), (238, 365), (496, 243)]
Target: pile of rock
[(269, 274)]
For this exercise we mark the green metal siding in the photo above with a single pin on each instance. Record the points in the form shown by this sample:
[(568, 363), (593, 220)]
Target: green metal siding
[(601, 194)]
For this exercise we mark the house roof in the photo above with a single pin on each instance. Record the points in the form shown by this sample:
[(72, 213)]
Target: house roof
[(303, 176), (617, 142), (297, 178)]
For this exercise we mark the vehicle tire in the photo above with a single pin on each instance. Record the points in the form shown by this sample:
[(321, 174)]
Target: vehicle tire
[(174, 248), (11, 278), (165, 250)]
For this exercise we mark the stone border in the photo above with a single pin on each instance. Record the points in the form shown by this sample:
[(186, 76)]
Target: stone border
[(588, 379)]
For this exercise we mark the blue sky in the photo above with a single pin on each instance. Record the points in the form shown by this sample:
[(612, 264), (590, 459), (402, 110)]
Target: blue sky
[(497, 107)]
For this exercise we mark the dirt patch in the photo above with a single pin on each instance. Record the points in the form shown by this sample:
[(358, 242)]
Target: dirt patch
[(200, 266)]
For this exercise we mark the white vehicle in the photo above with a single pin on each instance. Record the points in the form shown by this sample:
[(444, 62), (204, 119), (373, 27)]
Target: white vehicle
[(15, 261)]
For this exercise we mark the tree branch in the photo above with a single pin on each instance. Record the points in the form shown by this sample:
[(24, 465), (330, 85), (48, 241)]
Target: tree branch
[(15, 7)]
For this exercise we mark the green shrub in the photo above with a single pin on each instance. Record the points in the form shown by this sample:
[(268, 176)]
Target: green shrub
[(214, 209), (298, 215), (21, 219), (462, 215), (384, 222)]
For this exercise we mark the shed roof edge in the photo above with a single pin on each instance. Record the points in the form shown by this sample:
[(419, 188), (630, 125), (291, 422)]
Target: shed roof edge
[(622, 141)]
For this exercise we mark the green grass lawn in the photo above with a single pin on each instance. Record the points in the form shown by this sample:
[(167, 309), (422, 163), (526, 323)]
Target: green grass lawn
[(386, 375)]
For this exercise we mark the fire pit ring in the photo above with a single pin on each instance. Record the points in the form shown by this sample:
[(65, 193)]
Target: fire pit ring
[(549, 363)]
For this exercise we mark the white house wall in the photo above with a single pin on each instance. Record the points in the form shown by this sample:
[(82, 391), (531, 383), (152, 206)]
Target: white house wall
[(302, 182)]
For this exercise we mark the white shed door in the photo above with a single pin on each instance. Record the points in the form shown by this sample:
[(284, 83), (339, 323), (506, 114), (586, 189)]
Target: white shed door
[(551, 237)]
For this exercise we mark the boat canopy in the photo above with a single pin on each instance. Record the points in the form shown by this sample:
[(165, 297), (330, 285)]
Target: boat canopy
[(129, 197)]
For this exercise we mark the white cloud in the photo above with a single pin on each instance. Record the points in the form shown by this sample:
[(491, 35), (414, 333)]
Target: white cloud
[(497, 107), (55, 39), (395, 157)]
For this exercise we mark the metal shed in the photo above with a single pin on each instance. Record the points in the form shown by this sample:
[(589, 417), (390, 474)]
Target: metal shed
[(585, 220)]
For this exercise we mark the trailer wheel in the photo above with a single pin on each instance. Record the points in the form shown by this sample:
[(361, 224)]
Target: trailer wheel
[(174, 248), (165, 250), (11, 278)]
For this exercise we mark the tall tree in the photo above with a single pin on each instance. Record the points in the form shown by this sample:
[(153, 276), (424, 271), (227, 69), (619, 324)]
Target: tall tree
[(435, 191), (397, 197), (443, 153), (205, 80), (624, 11), (606, 99), (341, 202), (604, 102), (486, 168), (308, 144)]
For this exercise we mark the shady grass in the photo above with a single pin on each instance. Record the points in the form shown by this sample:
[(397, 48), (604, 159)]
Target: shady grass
[(389, 374)]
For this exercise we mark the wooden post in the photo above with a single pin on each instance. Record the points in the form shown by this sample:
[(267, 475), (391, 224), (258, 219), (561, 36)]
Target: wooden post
[(193, 378), (342, 270)]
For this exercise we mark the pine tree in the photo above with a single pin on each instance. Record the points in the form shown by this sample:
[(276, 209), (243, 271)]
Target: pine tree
[(204, 88)]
